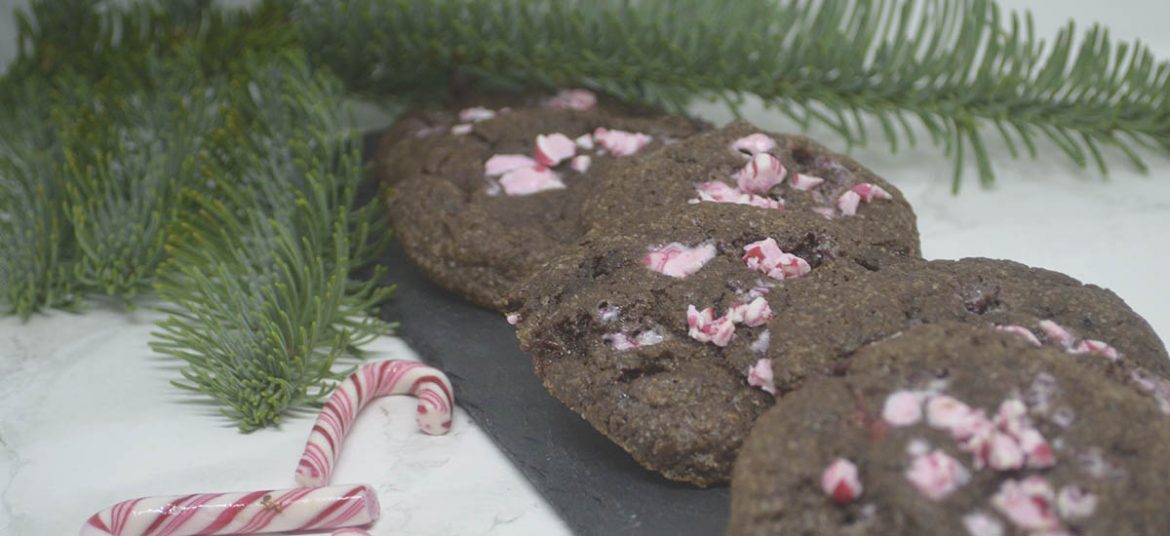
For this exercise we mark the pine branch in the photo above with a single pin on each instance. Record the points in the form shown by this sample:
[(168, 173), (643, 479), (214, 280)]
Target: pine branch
[(960, 69)]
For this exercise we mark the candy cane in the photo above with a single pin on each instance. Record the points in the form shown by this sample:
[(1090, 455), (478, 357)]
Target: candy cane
[(254, 512), (392, 377)]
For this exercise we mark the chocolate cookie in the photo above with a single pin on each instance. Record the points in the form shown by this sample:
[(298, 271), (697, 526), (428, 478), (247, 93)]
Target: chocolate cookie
[(740, 164), (958, 429), (479, 204), (635, 330), (832, 315)]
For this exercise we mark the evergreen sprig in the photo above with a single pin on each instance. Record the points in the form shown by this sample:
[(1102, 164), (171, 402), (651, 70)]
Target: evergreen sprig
[(960, 69)]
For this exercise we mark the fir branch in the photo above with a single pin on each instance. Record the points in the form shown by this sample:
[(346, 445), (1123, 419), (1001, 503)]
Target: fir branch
[(961, 69)]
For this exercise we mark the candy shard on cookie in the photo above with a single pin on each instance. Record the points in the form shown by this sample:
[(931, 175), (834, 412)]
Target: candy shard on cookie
[(530, 180), (584, 142), (760, 174), (461, 129), (754, 313), (848, 202), (760, 345), (704, 327), (804, 182), (1090, 346), (476, 114), (573, 99), (502, 163), (982, 524), (1021, 331), (581, 163), (767, 257), (719, 192), (861, 193), (840, 481), (1073, 502), (760, 375), (1057, 334), (1028, 503), (554, 148), (937, 475), (620, 142), (678, 260), (513, 318), (754, 144), (903, 408)]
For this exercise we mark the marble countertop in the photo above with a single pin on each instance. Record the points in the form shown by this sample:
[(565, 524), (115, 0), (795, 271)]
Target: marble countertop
[(88, 418)]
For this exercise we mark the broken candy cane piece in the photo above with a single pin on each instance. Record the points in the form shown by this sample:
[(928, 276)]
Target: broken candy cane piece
[(1003, 453), (704, 327), (1057, 334), (760, 375), (861, 193), (530, 180), (982, 524), (903, 408), (848, 202), (1039, 452), (573, 99), (1089, 346), (622, 342), (620, 142), (677, 260), (1027, 503), (1073, 502), (760, 175), (581, 163), (255, 512), (1154, 386), (767, 257), (513, 318), (461, 129), (476, 114), (719, 192), (753, 144), (751, 314), (373, 380), (584, 142), (554, 148), (1021, 331), (937, 475), (804, 182), (840, 482), (502, 163), (760, 345)]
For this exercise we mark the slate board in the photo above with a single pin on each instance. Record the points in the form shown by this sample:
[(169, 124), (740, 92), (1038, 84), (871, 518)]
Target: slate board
[(593, 484)]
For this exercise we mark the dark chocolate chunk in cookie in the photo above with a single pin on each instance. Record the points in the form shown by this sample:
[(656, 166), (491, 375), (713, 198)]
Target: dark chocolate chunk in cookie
[(648, 331), (958, 429), (480, 202)]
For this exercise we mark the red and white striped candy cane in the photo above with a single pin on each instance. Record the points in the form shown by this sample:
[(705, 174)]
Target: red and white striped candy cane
[(254, 512), (392, 377)]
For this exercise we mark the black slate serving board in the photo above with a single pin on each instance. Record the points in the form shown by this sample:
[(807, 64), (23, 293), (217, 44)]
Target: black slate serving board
[(593, 484)]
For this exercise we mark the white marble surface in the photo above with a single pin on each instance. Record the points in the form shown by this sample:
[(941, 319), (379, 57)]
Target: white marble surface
[(87, 417)]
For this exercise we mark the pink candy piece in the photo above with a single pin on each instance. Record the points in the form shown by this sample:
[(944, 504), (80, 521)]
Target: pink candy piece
[(584, 142), (760, 375), (1153, 385), (1075, 503), (804, 182), (1021, 331), (719, 192), (513, 318), (678, 260), (1027, 503), (760, 345), (1004, 453), (476, 114), (502, 163), (704, 327), (373, 380), (1038, 450), (620, 142), (754, 313), (622, 342), (255, 512), (761, 174), (1090, 346), (903, 408), (840, 481), (530, 180), (981, 524), (753, 144), (1057, 334), (554, 148), (461, 129), (573, 99), (581, 163), (848, 203), (937, 475), (861, 193), (765, 256)]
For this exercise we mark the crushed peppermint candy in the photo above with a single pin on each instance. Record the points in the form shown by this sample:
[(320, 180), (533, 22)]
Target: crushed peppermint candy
[(760, 174), (1056, 333), (461, 129), (608, 313), (584, 142), (753, 144), (530, 180), (767, 257), (620, 142), (622, 342), (848, 203), (1073, 502), (704, 327), (804, 183), (678, 260), (1021, 331), (573, 99), (754, 313), (840, 481), (982, 524), (937, 475), (1028, 503), (1157, 387), (861, 193), (760, 345), (502, 163), (1090, 346), (581, 163), (513, 318), (917, 447), (720, 192), (760, 375), (552, 149), (476, 114), (903, 408)]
